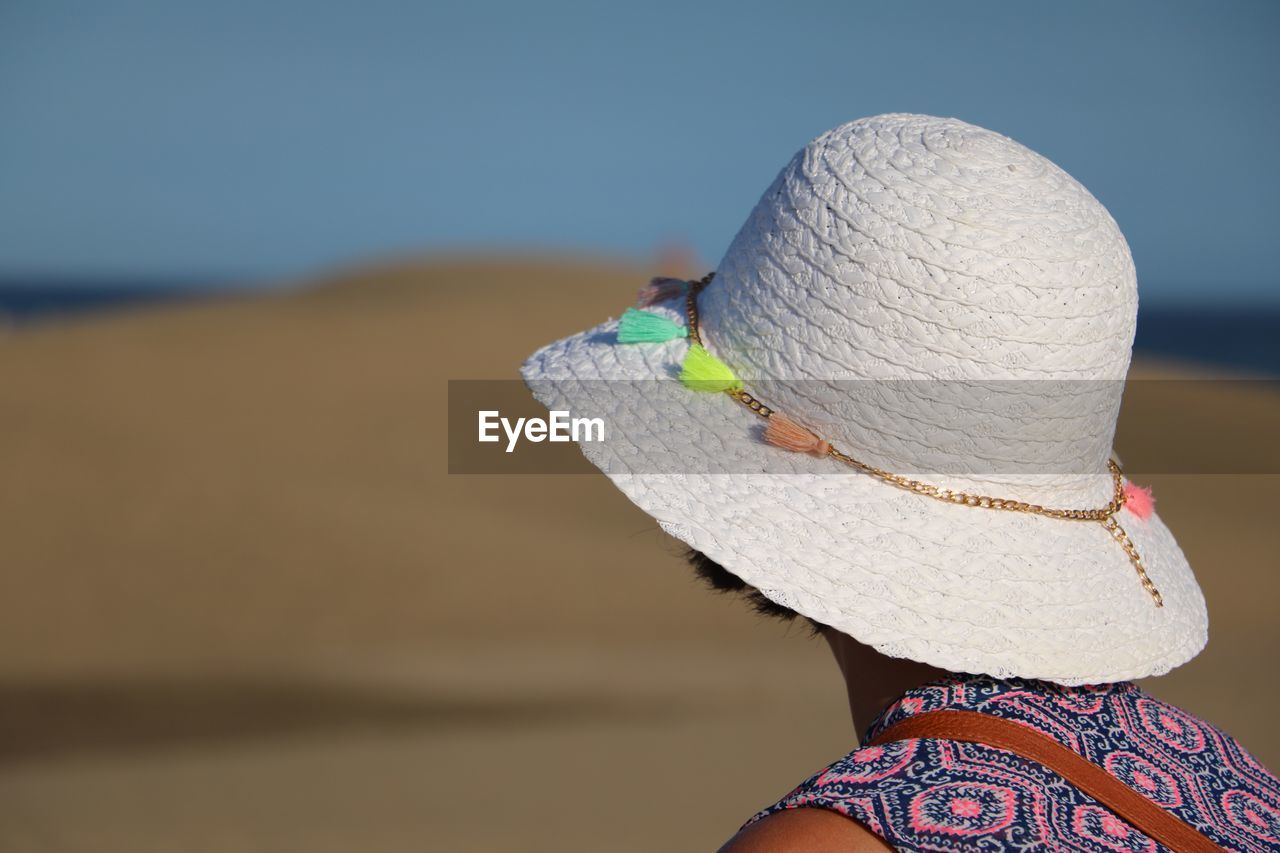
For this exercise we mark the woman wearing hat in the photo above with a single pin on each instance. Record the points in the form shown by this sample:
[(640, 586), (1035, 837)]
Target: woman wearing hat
[(894, 411)]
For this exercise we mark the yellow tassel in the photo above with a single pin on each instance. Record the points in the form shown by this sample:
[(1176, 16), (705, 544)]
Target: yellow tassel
[(702, 371)]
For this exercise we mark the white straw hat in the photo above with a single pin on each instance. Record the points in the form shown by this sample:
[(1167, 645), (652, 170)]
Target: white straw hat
[(951, 315)]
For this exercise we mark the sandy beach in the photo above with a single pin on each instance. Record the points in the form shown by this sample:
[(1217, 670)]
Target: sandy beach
[(245, 606)]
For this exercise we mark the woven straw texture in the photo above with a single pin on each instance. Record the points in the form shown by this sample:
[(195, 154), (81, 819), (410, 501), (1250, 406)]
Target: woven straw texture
[(905, 247)]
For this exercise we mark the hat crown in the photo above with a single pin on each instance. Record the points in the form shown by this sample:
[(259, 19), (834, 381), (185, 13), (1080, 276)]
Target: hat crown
[(910, 247)]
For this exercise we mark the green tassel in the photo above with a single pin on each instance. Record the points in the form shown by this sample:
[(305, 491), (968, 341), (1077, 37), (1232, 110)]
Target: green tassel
[(640, 327), (702, 371)]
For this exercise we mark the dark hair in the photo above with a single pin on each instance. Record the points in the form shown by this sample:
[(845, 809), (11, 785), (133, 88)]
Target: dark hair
[(721, 579)]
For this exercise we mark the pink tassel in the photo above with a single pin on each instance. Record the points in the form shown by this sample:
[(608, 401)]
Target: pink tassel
[(783, 432), (661, 289), (1139, 500)]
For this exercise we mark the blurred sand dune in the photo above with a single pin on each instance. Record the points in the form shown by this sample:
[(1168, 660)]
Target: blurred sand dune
[(244, 606)]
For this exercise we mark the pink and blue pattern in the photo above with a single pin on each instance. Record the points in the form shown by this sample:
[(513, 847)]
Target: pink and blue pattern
[(936, 795)]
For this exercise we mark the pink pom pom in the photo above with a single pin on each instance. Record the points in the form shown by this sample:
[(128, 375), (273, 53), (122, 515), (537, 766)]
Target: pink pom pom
[(783, 432), (661, 289), (1139, 500)]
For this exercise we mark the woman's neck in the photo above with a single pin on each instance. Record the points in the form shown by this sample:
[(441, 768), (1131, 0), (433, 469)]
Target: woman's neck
[(872, 679)]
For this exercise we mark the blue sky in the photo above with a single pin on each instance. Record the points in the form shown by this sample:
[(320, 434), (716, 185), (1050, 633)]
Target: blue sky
[(270, 139)]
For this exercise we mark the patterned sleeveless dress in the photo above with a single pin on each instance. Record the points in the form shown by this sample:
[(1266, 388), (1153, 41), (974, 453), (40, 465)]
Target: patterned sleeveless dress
[(927, 794)]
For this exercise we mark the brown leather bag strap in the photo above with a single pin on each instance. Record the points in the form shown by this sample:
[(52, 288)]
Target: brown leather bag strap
[(972, 727)]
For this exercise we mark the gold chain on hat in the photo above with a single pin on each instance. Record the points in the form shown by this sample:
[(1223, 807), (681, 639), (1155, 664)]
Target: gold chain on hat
[(1105, 515)]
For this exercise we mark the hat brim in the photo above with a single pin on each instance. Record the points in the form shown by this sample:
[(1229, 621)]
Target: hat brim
[(965, 589)]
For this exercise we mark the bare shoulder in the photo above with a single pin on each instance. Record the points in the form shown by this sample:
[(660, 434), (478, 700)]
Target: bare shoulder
[(806, 830)]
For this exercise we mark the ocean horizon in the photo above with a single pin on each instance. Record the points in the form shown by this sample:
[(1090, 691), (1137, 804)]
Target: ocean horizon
[(1240, 336)]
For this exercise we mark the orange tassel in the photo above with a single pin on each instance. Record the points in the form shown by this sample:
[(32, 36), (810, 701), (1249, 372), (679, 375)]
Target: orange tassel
[(1139, 500), (783, 432)]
